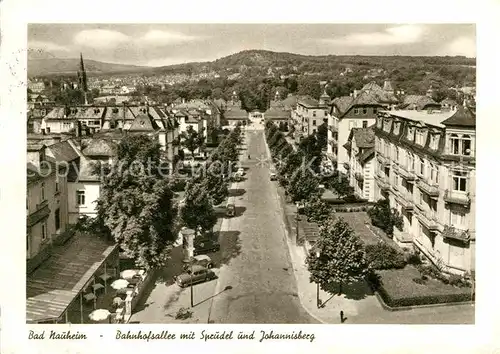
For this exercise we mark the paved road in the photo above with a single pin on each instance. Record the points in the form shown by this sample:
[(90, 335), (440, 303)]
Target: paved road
[(258, 269)]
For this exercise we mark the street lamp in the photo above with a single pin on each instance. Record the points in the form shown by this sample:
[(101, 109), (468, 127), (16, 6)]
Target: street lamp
[(318, 300), (188, 235)]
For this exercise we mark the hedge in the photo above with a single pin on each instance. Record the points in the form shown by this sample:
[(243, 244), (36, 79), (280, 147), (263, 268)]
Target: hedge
[(423, 300), (384, 256)]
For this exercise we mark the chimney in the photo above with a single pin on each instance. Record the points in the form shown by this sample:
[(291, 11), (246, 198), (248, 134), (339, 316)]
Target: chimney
[(355, 93)]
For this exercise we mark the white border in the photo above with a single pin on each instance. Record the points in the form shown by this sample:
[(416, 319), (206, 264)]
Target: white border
[(15, 14)]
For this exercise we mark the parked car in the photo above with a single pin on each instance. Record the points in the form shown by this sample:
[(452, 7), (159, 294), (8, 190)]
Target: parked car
[(202, 260), (199, 274), (205, 245), (273, 176), (241, 171), (230, 209)]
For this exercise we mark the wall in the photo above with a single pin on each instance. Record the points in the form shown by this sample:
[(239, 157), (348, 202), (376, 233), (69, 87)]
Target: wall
[(58, 126), (92, 193), (344, 129)]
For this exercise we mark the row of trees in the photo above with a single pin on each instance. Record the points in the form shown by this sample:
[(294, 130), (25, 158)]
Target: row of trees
[(339, 257), (136, 207)]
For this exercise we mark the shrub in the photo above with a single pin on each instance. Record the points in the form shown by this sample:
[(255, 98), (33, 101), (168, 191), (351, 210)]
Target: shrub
[(424, 299), (384, 256), (183, 314), (432, 272), (384, 217), (413, 258), (420, 281)]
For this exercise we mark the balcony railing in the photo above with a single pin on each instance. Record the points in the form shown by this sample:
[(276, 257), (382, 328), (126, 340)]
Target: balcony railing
[(359, 176), (407, 174), (429, 222), (383, 160), (382, 182), (450, 232), (405, 200), (432, 189), (457, 197)]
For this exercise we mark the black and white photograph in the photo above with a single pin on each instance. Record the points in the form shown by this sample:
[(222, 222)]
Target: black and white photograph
[(251, 173)]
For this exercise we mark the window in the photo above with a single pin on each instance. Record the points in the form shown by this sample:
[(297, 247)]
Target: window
[(27, 203), (379, 123), (115, 110), (97, 122), (434, 141), (356, 111), (57, 187), (365, 124), (44, 231), (80, 197), (325, 113), (459, 181), (314, 113), (457, 218), (57, 217), (466, 145), (42, 192), (411, 133), (112, 124), (396, 128), (374, 110), (387, 125), (454, 144), (419, 137), (411, 162), (364, 110), (434, 174), (351, 124), (421, 169), (314, 121)]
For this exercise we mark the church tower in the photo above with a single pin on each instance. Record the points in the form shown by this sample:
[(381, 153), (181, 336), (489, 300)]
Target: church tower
[(82, 78)]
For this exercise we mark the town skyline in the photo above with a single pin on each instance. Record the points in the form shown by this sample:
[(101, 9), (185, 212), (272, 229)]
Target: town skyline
[(160, 45)]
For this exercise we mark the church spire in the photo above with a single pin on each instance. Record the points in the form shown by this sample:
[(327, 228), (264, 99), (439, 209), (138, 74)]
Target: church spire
[(82, 78)]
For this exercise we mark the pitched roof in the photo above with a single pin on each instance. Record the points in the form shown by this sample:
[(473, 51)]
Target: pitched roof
[(277, 113), (342, 103), (308, 101), (142, 123), (365, 155), (418, 102), (99, 147), (372, 85), (364, 137), (388, 86), (235, 113), (63, 151), (463, 117)]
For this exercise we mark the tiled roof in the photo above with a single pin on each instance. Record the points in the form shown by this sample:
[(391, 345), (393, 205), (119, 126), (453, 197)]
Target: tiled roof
[(365, 155), (117, 113), (308, 102), (364, 137), (63, 151), (34, 145), (418, 102), (99, 147), (463, 117), (435, 118), (342, 103), (276, 113), (372, 85), (142, 123), (235, 113)]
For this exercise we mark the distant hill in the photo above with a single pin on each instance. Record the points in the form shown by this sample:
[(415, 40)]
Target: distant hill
[(57, 66)]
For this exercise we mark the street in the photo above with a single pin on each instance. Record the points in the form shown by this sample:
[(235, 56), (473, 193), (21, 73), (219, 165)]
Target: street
[(264, 288)]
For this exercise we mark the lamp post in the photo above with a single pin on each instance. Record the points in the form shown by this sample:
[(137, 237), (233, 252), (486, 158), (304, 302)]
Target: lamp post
[(188, 235), (318, 301)]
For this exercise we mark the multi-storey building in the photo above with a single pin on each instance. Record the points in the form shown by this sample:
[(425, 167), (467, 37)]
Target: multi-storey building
[(46, 204), (359, 110), (426, 168), (361, 150), (309, 114)]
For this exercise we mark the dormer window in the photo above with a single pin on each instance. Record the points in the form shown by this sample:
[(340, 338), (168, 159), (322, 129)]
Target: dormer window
[(387, 125), (397, 126), (379, 122), (356, 111), (434, 141), (411, 133), (115, 110), (419, 137)]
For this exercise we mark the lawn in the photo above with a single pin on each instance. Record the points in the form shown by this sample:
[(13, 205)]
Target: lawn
[(357, 221), (398, 289)]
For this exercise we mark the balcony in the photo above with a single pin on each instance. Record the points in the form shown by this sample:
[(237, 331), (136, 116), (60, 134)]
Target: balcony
[(383, 160), (359, 176), (407, 175), (452, 233), (332, 128), (457, 197), (432, 189), (405, 200), (429, 222), (382, 183)]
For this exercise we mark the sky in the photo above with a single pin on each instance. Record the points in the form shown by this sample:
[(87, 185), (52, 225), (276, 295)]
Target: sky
[(162, 44)]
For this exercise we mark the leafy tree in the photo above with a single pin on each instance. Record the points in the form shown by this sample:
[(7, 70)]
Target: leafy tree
[(312, 149), (192, 140), (384, 256), (341, 256), (197, 212), (136, 203), (217, 188), (340, 184), (317, 210), (303, 185), (385, 217), (322, 135)]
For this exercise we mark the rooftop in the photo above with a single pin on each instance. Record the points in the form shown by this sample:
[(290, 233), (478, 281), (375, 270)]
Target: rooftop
[(99, 147), (63, 151), (52, 287), (435, 118), (364, 137)]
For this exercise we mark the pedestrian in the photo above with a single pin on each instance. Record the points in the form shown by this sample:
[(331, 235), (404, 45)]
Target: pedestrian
[(341, 316)]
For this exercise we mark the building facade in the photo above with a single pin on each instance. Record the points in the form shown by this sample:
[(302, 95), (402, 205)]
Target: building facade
[(425, 166), (309, 114)]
